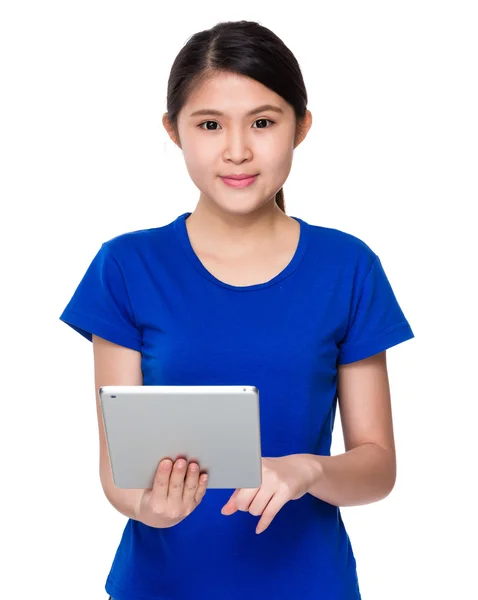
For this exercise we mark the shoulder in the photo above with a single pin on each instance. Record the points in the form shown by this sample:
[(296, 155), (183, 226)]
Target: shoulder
[(341, 247), (131, 244)]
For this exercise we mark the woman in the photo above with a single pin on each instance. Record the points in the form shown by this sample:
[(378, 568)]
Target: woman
[(237, 292)]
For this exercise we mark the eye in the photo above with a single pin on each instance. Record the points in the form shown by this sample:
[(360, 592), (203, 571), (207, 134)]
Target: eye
[(256, 121)]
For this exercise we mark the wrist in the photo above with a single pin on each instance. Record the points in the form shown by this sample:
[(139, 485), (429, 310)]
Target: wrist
[(315, 469)]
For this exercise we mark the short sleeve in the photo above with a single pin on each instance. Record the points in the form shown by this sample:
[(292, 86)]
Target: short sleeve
[(101, 305), (376, 321)]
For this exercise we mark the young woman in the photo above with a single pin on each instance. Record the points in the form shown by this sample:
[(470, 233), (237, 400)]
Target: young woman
[(238, 292)]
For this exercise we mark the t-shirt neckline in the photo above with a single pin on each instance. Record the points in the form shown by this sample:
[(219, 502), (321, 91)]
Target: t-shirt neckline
[(183, 236)]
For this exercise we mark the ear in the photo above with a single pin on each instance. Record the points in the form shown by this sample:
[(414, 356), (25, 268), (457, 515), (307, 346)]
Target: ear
[(170, 129), (303, 127)]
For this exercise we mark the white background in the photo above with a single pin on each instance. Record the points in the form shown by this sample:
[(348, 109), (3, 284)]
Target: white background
[(392, 158)]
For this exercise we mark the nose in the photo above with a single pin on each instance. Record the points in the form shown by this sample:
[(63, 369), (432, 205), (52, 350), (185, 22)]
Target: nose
[(238, 147)]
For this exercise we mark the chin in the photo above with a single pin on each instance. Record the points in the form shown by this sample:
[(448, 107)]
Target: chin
[(239, 202), (242, 207)]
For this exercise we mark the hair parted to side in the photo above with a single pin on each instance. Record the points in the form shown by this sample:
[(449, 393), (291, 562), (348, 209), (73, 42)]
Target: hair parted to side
[(240, 47)]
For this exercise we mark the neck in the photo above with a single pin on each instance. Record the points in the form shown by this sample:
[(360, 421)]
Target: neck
[(214, 227)]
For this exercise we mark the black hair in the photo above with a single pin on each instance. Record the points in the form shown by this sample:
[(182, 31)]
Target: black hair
[(240, 47)]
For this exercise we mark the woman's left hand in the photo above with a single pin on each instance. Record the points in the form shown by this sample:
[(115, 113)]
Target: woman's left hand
[(284, 478)]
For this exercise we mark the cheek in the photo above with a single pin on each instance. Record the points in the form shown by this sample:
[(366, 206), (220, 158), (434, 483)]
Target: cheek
[(274, 151), (200, 161), (277, 159)]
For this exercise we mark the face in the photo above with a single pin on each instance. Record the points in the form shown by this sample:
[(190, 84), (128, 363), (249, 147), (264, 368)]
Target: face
[(237, 141)]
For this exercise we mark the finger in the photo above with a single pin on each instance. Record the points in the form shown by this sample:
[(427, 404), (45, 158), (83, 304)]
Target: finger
[(191, 482), (176, 480), (202, 487), (230, 507), (270, 511), (240, 500), (159, 492), (261, 500), (245, 497)]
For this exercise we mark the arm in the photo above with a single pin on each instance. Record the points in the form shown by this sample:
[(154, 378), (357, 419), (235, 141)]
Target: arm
[(115, 365), (366, 472)]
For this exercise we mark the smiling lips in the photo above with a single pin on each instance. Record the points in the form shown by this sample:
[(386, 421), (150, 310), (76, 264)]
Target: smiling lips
[(239, 176), (239, 181)]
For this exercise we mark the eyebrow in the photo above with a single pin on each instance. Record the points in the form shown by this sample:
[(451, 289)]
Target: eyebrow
[(254, 111)]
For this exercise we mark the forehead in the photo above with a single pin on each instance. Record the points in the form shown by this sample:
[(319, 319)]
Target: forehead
[(232, 93)]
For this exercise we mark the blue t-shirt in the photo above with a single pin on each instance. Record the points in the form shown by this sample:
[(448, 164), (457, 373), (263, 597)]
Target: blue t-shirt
[(333, 304)]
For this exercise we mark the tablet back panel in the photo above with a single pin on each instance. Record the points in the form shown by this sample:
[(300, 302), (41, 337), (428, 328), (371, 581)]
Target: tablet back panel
[(218, 426)]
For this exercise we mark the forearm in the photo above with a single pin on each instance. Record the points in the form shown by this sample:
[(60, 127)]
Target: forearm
[(362, 475), (124, 500)]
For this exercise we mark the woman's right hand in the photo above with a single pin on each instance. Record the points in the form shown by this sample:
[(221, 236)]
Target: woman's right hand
[(177, 490)]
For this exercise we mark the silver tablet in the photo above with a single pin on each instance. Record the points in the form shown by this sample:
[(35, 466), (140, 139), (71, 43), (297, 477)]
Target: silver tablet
[(217, 426)]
